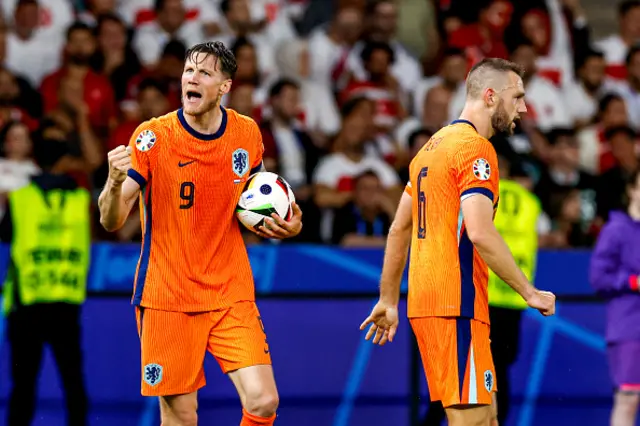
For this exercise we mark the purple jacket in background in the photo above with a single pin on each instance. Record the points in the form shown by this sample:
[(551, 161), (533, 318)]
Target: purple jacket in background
[(615, 260)]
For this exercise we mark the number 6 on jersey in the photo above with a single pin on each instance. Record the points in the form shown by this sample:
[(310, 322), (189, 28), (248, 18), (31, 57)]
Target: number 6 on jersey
[(422, 204)]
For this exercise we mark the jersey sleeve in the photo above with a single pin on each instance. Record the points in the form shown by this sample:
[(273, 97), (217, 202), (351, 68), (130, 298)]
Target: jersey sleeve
[(142, 143), (476, 169), (256, 165), (407, 188)]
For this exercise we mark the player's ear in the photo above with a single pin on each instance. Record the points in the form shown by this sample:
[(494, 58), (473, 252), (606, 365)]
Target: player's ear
[(490, 97), (225, 87)]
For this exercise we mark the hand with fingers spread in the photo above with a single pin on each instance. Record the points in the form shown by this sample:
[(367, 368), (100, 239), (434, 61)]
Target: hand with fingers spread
[(119, 163), (543, 301), (278, 228), (384, 323)]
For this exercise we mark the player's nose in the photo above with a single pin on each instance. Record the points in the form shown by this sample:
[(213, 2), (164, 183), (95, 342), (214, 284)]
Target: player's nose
[(522, 107)]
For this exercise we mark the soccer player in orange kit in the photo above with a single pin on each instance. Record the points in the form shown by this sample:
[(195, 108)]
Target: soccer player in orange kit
[(194, 289), (446, 216)]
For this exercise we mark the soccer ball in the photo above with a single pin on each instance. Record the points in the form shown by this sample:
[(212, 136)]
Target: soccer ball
[(264, 193)]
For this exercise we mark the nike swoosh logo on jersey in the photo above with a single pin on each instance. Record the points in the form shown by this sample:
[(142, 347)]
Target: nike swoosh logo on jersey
[(181, 164)]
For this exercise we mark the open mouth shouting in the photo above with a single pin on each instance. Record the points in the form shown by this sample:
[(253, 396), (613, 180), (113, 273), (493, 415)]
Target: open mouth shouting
[(192, 97)]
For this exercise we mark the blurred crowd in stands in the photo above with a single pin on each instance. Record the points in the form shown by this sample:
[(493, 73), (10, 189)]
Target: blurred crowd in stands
[(345, 92)]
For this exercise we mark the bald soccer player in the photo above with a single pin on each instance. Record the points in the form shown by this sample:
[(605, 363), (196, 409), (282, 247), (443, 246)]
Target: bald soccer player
[(446, 215)]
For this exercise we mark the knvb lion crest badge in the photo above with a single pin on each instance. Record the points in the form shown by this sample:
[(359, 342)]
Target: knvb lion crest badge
[(240, 162), (153, 374), (488, 380)]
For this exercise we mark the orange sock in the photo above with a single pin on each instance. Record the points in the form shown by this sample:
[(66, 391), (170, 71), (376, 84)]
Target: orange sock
[(249, 419)]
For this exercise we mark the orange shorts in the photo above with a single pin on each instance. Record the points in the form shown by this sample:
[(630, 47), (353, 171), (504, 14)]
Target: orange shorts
[(456, 355), (174, 345)]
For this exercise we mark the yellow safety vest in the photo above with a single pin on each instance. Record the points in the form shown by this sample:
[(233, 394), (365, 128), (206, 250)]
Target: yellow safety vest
[(50, 248), (516, 220)]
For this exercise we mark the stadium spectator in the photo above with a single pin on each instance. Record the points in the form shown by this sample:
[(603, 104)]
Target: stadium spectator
[(170, 23), (330, 44), (379, 85), (151, 102), (93, 9), (247, 59), (69, 124), (288, 150), (168, 72), (612, 183), (630, 88), (417, 30), (595, 152), (364, 221), (30, 51), (238, 23), (616, 46), (321, 117), (242, 98), (114, 57), (249, 75), (415, 141), (567, 223), (274, 19), (16, 159), (382, 16), (435, 113), (545, 103), (484, 37), (14, 100), (48, 224), (548, 33), (136, 13), (614, 274), (451, 75), (93, 91), (51, 17), (582, 96), (563, 174), (333, 178)]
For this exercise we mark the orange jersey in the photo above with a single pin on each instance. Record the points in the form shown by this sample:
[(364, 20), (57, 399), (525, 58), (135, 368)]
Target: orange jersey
[(447, 276), (193, 257)]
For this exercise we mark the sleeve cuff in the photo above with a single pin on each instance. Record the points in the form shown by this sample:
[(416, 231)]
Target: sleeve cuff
[(478, 190), (133, 174), (633, 282), (256, 169)]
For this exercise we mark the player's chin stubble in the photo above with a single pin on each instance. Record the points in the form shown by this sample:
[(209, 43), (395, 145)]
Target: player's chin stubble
[(202, 109), (501, 122)]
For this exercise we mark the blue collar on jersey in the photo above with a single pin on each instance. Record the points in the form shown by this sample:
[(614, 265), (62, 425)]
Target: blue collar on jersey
[(202, 136), (459, 121)]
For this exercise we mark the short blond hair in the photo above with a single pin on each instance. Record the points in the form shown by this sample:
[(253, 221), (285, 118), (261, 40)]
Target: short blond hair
[(487, 73)]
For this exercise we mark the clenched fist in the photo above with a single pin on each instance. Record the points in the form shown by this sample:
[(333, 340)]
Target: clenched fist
[(119, 163), (543, 301)]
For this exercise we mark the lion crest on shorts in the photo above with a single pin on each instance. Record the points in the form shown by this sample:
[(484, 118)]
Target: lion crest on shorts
[(152, 374), (488, 380)]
